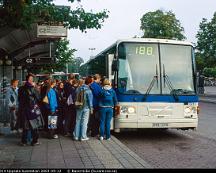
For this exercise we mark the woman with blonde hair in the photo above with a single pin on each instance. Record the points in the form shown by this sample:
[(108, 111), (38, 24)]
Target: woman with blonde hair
[(107, 102)]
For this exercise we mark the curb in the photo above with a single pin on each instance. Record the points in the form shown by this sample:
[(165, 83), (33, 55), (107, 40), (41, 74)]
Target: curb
[(132, 154), (207, 101)]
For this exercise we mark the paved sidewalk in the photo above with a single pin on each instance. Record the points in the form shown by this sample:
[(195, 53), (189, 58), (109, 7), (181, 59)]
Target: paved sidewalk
[(66, 153)]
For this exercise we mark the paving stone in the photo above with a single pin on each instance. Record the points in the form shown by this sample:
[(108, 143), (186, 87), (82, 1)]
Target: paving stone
[(66, 153)]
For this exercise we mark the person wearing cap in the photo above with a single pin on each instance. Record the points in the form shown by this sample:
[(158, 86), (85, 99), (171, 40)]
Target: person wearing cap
[(107, 102)]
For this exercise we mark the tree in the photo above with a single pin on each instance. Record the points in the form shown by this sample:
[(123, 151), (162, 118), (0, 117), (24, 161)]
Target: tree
[(200, 63), (159, 24), (63, 55), (23, 13), (206, 42), (74, 66)]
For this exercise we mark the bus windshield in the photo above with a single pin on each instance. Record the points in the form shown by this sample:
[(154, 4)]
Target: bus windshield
[(141, 65)]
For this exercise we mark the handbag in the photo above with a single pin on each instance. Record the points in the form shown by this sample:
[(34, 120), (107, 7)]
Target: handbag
[(52, 121), (70, 100), (45, 100), (35, 117)]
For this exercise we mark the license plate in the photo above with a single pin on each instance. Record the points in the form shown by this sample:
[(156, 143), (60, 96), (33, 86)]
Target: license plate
[(159, 124)]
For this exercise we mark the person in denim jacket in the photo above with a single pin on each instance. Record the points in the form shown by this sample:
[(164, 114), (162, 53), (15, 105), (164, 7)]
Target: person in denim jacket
[(12, 103), (107, 102), (82, 116)]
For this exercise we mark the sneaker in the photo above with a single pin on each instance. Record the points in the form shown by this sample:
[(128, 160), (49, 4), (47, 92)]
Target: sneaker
[(14, 131), (101, 138), (55, 136), (84, 139), (23, 144), (108, 139), (20, 130), (34, 144), (67, 134), (75, 138)]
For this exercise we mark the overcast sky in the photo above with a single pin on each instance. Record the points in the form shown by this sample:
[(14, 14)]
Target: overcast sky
[(124, 20)]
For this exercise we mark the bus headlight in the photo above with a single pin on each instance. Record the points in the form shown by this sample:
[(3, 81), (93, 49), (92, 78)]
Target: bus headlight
[(128, 109), (187, 110), (131, 110)]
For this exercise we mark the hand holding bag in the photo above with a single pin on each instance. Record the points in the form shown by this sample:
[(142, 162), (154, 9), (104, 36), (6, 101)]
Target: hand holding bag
[(35, 117), (52, 121), (45, 100)]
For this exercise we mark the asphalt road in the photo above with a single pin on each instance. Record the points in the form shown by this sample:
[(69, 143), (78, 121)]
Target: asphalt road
[(177, 148)]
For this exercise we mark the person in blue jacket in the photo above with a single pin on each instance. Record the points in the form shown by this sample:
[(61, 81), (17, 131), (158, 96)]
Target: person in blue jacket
[(107, 102), (94, 122), (52, 106)]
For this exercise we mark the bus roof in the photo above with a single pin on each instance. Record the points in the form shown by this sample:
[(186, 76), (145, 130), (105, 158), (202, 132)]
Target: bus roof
[(155, 40), (55, 74)]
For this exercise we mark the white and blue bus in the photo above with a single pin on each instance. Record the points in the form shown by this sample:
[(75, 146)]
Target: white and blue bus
[(155, 82)]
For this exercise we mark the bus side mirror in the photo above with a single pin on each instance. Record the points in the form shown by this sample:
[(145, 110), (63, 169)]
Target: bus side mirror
[(115, 65)]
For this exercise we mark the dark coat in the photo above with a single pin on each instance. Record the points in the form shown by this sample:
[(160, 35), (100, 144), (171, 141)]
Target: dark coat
[(28, 96)]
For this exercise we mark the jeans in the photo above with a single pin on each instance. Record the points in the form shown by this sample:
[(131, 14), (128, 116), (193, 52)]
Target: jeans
[(82, 118), (13, 120), (26, 135), (94, 122), (70, 119), (106, 115)]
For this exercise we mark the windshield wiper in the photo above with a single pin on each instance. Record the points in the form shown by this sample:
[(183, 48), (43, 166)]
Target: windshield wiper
[(155, 78), (170, 86)]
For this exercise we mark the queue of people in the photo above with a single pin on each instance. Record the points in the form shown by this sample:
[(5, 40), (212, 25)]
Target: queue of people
[(78, 108)]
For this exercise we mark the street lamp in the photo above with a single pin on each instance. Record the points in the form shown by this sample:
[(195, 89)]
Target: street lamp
[(91, 49)]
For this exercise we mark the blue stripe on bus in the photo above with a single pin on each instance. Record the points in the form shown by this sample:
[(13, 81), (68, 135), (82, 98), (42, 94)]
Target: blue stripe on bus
[(156, 98)]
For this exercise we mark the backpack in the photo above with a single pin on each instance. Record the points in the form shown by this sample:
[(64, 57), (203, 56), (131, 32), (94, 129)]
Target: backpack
[(80, 99)]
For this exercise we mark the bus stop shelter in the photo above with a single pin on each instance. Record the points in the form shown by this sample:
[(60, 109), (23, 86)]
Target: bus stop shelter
[(24, 50)]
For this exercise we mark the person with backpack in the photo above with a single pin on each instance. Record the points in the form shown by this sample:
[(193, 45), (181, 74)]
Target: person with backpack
[(107, 102), (84, 106)]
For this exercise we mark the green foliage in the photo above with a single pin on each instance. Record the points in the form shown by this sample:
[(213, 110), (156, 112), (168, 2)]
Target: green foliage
[(209, 72), (206, 44), (23, 13), (159, 24), (74, 66), (63, 55), (200, 63)]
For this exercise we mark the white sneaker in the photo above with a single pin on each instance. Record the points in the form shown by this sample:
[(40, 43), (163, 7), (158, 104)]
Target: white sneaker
[(108, 139), (14, 131), (76, 139), (84, 139), (20, 130), (55, 136), (101, 138)]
